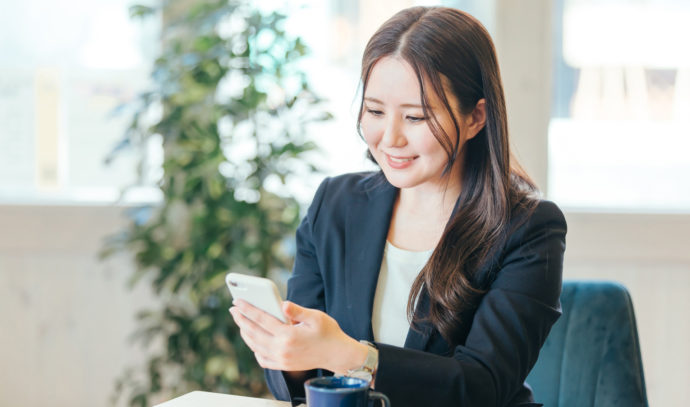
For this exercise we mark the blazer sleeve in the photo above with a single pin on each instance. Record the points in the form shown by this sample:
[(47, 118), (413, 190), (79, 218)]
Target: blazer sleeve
[(305, 288), (509, 327)]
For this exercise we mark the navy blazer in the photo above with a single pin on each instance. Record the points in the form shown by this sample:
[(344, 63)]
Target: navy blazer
[(340, 245)]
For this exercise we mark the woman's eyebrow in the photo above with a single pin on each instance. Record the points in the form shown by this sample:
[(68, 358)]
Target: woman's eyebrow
[(416, 105)]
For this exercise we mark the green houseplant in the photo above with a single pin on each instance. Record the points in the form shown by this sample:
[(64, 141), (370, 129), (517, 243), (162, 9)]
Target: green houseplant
[(231, 106)]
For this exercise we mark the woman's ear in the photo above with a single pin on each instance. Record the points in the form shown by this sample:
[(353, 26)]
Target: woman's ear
[(477, 119)]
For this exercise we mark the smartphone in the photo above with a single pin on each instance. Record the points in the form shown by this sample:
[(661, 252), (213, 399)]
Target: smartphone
[(258, 291)]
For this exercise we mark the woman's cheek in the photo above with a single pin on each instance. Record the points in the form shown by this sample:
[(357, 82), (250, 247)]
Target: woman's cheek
[(370, 132), (427, 143)]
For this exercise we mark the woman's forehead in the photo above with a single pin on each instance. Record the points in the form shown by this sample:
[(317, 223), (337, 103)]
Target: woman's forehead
[(393, 80)]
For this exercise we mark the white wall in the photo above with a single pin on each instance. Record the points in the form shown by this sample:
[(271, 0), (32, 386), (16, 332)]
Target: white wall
[(523, 42), (65, 316)]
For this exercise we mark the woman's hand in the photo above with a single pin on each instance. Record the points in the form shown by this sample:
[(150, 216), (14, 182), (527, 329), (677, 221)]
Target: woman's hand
[(312, 340)]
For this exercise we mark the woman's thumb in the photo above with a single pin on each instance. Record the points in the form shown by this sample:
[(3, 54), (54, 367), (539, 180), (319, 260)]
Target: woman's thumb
[(293, 312)]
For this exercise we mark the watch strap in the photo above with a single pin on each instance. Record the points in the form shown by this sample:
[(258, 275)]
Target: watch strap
[(368, 368)]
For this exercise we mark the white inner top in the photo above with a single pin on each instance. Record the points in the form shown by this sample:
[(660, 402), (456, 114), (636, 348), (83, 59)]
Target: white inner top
[(399, 269)]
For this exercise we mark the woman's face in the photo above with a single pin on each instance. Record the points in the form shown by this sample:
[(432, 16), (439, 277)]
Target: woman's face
[(397, 132)]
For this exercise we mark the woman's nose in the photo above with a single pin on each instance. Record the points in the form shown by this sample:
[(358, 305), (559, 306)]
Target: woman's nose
[(393, 135)]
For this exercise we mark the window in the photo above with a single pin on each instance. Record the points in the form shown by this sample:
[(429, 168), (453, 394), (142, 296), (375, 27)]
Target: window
[(619, 135), (64, 67)]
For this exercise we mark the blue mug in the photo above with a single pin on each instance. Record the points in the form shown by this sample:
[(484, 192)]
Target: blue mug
[(341, 391)]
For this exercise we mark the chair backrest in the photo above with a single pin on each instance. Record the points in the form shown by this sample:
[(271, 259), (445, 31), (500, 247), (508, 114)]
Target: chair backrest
[(591, 358)]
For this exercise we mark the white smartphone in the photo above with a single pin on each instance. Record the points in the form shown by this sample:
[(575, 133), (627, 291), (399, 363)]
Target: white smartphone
[(258, 291)]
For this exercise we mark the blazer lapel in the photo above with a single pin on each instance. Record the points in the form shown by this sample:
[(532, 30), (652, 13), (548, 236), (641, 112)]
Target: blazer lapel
[(418, 338), (368, 221)]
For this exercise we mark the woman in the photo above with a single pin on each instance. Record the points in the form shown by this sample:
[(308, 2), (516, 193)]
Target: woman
[(444, 264)]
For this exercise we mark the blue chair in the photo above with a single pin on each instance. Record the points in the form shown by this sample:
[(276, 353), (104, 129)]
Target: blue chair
[(591, 358)]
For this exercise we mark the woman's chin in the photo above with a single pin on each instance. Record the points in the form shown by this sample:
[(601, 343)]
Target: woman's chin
[(398, 179)]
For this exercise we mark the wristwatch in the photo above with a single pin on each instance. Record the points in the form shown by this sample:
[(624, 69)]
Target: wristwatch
[(367, 370)]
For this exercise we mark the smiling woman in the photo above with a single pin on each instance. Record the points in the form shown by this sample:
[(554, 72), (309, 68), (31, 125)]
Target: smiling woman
[(396, 128), (403, 140), (437, 277)]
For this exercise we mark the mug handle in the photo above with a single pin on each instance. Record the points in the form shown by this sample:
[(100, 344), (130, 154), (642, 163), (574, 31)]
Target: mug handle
[(374, 395)]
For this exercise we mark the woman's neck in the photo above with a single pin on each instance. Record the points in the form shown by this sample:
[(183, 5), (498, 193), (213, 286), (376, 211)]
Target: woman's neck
[(431, 201), (420, 215)]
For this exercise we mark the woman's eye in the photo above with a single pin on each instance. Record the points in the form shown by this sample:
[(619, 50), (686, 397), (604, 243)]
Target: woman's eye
[(375, 112), (415, 119)]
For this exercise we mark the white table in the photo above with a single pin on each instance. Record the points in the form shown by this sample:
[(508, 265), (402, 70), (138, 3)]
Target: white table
[(206, 399)]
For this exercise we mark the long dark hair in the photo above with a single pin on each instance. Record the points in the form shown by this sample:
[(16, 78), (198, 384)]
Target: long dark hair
[(444, 44)]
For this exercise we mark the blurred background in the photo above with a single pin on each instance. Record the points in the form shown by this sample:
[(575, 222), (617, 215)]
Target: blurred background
[(598, 95)]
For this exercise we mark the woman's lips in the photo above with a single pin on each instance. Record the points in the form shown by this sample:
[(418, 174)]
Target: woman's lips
[(399, 163)]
